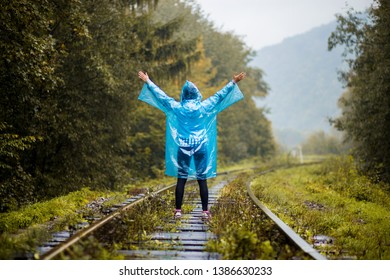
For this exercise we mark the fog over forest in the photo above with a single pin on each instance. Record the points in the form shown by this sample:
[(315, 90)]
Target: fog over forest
[(304, 86)]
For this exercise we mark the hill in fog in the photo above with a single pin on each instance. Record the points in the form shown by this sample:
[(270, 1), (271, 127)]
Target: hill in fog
[(302, 75)]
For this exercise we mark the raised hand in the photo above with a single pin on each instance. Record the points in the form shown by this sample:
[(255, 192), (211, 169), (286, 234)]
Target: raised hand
[(143, 76), (239, 77)]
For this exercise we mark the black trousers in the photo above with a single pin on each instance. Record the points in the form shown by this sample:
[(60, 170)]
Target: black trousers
[(203, 189)]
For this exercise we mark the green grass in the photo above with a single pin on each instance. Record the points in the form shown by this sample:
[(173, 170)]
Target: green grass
[(331, 199), (127, 231), (132, 229), (42, 212), (22, 230), (244, 232)]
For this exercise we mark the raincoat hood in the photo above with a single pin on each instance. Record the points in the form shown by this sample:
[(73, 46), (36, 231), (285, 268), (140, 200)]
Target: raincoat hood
[(190, 92)]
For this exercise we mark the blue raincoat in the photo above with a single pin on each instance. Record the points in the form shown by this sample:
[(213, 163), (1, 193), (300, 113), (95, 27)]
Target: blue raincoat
[(191, 127)]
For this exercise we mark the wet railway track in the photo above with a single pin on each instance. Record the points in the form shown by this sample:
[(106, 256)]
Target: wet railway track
[(187, 241), (171, 239)]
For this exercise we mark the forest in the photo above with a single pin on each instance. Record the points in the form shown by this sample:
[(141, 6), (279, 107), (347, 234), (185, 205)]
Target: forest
[(365, 104), (73, 134), (70, 117)]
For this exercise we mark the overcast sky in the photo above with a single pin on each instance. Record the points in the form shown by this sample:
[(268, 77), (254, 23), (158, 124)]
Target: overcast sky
[(267, 22)]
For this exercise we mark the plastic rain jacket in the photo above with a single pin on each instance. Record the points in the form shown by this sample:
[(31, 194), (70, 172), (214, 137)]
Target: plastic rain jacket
[(191, 127)]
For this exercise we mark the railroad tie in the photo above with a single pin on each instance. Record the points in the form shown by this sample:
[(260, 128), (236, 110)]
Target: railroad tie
[(188, 242)]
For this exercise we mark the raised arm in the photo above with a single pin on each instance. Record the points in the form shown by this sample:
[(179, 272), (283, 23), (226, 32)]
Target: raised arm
[(219, 101), (153, 95)]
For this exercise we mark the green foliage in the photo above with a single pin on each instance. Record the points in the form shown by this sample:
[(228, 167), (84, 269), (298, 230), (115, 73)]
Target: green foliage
[(345, 178), (320, 143), (243, 129), (331, 199), (27, 74), (43, 212), (236, 221), (90, 249), (244, 132), (125, 231), (365, 117), (69, 111), (239, 245), (16, 187), (68, 79), (23, 230), (22, 245)]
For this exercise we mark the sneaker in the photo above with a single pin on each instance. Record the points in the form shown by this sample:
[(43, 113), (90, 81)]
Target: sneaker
[(177, 214), (206, 215)]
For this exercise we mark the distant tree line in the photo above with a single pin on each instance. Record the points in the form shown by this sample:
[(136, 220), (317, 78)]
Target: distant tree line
[(320, 143), (69, 113), (365, 104)]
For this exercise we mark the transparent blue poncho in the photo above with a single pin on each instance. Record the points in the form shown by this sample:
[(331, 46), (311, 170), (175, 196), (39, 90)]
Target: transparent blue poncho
[(191, 127)]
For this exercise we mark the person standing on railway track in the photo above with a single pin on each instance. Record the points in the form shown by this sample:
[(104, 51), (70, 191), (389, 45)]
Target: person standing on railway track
[(191, 132)]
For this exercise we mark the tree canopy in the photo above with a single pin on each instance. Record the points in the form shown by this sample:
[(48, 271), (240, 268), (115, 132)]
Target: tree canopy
[(69, 111), (366, 117)]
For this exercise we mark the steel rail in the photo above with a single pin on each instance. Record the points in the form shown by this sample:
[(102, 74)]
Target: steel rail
[(290, 233), (75, 238), (84, 232)]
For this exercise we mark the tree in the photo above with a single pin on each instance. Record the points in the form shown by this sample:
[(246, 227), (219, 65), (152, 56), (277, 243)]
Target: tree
[(320, 143), (28, 78), (68, 74), (366, 116), (14, 179), (100, 113), (243, 129), (69, 113)]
